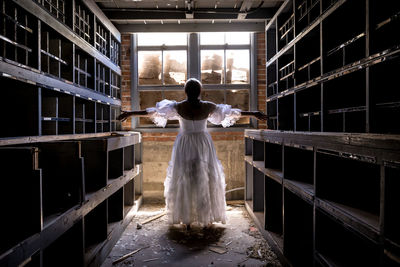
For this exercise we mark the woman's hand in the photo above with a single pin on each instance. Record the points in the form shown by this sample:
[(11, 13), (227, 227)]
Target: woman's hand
[(260, 116)]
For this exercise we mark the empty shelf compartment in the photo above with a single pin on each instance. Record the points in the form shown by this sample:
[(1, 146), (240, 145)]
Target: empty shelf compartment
[(351, 183), (308, 109), (62, 176), (20, 104), (285, 26), (273, 206), (273, 156), (344, 100), (57, 113), (272, 111), (55, 54), (308, 63), (129, 193), (392, 203), (129, 157), (307, 11), (18, 34), (95, 226), (286, 70), (115, 123), (298, 224), (83, 69), (84, 22), (138, 153), (62, 253), (272, 83), (271, 40), (103, 122), (347, 45), (248, 146), (258, 150), (286, 113), (386, 96), (22, 194), (116, 206), (84, 116), (341, 246), (258, 191), (115, 163), (384, 25), (299, 164)]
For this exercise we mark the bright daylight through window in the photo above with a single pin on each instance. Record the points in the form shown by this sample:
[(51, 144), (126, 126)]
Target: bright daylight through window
[(224, 68)]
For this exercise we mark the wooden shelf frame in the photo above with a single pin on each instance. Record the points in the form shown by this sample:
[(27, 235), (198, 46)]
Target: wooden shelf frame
[(358, 48), (380, 152), (68, 32), (56, 226)]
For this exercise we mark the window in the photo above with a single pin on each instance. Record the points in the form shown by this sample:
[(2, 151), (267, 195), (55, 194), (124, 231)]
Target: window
[(162, 58), (225, 58), (223, 68)]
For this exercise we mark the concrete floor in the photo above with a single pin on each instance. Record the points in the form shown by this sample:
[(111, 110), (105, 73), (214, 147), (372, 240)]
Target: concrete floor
[(175, 246)]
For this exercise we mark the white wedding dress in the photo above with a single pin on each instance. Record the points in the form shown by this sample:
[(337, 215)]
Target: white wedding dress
[(195, 183)]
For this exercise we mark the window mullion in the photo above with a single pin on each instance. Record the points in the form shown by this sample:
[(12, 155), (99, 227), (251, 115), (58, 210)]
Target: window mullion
[(162, 73)]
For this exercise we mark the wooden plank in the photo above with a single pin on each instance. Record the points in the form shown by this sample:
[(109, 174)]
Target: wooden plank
[(382, 147), (49, 138), (303, 190), (362, 222), (42, 80)]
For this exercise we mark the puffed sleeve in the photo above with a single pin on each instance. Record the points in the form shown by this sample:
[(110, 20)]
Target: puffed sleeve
[(225, 115), (162, 112)]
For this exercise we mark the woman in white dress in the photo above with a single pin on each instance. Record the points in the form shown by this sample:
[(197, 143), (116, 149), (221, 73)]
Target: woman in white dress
[(195, 183)]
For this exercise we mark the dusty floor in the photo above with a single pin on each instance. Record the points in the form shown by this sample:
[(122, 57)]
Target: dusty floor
[(238, 241)]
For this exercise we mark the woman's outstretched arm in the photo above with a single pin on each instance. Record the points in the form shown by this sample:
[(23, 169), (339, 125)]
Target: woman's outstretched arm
[(138, 113), (256, 114)]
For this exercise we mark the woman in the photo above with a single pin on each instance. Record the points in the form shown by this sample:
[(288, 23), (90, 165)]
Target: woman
[(195, 182)]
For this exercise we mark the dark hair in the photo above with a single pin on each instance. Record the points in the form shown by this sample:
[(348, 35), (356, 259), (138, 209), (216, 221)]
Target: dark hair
[(193, 89)]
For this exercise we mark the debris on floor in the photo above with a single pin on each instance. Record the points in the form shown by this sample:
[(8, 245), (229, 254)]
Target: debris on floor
[(236, 243), (128, 255), (218, 250)]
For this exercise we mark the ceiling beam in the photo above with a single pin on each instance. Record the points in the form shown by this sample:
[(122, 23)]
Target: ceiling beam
[(246, 6), (193, 27), (160, 14)]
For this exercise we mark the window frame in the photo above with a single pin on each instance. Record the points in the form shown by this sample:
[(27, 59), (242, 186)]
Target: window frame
[(193, 61)]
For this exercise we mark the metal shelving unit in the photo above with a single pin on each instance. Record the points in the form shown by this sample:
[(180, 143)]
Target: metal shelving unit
[(330, 157), (72, 179), (344, 65), (311, 193)]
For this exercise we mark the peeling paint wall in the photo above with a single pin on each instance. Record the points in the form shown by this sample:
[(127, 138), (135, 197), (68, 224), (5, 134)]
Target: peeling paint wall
[(156, 155)]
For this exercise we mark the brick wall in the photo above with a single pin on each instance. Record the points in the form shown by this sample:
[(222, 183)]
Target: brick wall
[(261, 76), (216, 136), (126, 77)]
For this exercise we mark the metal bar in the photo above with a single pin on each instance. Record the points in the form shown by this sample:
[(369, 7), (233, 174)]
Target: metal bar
[(26, 75), (53, 57), (15, 43), (366, 62), (309, 63)]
